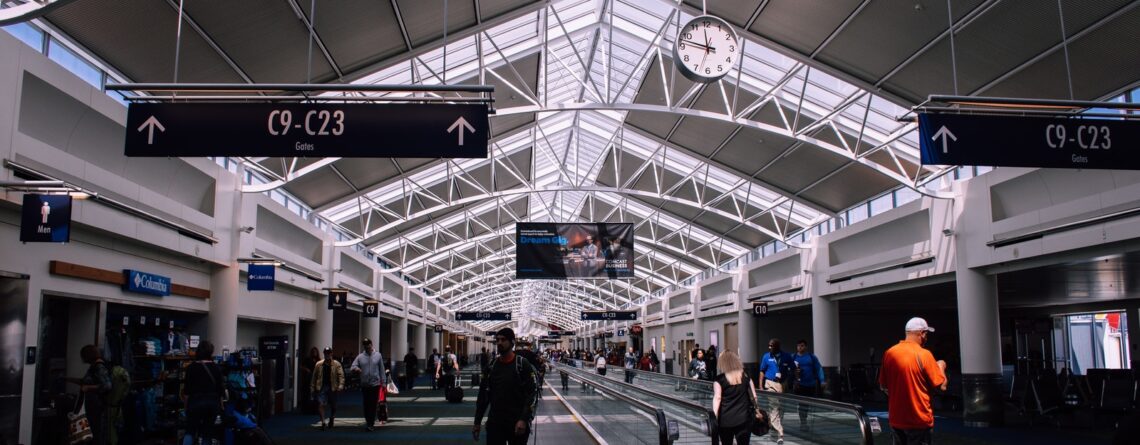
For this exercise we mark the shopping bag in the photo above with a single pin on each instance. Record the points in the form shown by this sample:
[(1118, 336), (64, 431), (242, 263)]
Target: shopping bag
[(79, 429), (392, 388), (383, 395)]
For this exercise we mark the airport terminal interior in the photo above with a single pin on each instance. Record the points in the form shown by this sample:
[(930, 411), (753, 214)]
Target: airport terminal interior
[(622, 183)]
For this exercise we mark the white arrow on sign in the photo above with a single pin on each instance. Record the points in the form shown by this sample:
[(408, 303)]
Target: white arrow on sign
[(150, 125), (462, 124), (944, 133)]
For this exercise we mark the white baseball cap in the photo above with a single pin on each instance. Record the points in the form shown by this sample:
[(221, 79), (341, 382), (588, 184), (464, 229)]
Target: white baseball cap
[(918, 324)]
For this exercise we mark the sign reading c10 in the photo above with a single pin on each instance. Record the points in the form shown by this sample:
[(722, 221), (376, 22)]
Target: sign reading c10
[(609, 315)]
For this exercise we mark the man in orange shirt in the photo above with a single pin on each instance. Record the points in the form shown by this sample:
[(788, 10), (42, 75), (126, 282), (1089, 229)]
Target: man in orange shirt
[(908, 375)]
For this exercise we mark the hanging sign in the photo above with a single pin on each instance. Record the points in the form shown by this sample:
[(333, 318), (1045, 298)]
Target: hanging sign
[(608, 315), (261, 277), (45, 219), (338, 299), (759, 308), (483, 316), (621, 332), (146, 283), (438, 328), (371, 309), (312, 130), (1021, 141)]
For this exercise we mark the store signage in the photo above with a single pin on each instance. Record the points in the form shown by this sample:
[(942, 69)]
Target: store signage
[(273, 346), (608, 315), (45, 219), (371, 309), (1018, 141), (313, 130), (438, 328), (261, 277), (338, 299), (621, 332), (483, 316), (146, 283), (759, 308)]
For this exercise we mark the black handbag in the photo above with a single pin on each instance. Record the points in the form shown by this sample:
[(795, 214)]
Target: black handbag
[(760, 422)]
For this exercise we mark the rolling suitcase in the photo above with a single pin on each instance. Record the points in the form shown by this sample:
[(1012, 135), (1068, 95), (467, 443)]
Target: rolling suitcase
[(454, 392)]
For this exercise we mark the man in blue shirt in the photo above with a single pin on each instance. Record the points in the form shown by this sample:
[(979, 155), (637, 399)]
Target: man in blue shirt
[(809, 378), (776, 367)]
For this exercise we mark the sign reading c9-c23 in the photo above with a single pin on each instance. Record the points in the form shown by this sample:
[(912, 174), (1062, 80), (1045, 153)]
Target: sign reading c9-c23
[(307, 130)]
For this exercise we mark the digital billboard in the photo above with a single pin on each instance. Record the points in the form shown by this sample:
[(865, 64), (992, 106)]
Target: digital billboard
[(574, 250)]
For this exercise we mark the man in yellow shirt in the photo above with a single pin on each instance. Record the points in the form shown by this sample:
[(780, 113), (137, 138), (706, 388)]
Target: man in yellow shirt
[(908, 375), (328, 379)]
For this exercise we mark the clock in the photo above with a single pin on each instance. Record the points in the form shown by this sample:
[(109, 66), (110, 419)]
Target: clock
[(705, 49)]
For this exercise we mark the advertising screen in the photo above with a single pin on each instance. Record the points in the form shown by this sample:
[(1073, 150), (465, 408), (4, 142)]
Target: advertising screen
[(577, 250)]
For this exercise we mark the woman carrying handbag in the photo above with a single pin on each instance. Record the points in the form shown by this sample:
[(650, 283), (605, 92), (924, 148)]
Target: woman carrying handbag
[(89, 421), (734, 402)]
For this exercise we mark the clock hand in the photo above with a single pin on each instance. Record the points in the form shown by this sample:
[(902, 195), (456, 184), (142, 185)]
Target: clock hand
[(698, 45)]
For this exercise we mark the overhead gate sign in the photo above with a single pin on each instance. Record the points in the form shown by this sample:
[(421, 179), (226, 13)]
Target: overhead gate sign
[(307, 130)]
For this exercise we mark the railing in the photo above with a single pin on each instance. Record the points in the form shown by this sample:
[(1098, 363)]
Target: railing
[(685, 422), (811, 419)]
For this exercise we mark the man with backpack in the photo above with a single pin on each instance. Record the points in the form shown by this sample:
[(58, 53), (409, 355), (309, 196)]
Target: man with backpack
[(448, 367), (434, 365), (510, 389)]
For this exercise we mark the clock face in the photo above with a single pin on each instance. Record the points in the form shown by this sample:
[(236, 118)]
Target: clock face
[(706, 49)]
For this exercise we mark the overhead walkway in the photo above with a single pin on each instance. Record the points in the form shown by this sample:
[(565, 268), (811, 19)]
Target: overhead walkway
[(806, 420)]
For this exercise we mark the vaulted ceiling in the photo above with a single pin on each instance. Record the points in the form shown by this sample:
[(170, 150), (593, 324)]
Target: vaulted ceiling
[(593, 124)]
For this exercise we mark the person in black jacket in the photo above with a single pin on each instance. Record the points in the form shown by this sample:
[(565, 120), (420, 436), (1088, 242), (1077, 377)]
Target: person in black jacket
[(510, 389), (202, 390)]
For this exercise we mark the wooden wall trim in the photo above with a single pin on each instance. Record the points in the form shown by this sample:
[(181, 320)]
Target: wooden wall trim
[(116, 277)]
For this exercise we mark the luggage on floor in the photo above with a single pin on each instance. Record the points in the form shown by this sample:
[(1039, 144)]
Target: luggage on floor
[(453, 394), (475, 379)]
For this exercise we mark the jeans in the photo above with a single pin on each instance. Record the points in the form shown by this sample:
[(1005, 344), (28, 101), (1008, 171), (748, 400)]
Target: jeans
[(923, 436), (504, 434), (201, 411), (741, 434), (370, 394)]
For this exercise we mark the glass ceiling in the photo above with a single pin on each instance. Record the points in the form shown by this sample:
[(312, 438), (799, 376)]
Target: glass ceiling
[(587, 84)]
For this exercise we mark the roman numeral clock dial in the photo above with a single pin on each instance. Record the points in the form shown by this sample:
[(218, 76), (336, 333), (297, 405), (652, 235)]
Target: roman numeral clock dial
[(705, 49)]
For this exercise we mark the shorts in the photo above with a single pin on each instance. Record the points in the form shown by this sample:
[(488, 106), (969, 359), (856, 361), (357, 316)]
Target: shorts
[(326, 396)]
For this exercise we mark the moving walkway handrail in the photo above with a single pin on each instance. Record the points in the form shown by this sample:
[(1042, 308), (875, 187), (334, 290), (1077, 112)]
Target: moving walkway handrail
[(857, 410), (711, 427), (658, 413)]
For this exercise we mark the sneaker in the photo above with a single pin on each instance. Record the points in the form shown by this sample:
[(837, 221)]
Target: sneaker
[(780, 441)]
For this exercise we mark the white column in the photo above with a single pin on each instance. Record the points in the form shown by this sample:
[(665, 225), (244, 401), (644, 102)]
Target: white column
[(980, 346), (370, 329), (222, 328), (400, 338), (420, 342)]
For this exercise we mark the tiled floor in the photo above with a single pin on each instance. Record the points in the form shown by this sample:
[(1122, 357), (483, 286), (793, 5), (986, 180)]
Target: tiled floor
[(421, 416)]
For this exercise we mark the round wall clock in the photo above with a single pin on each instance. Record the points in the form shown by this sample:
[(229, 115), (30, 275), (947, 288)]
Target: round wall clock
[(705, 49)]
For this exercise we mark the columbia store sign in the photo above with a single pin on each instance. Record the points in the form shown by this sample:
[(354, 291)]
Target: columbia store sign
[(146, 283)]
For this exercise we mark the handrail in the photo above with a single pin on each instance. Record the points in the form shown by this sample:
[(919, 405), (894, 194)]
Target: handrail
[(856, 410), (711, 427), (658, 413)]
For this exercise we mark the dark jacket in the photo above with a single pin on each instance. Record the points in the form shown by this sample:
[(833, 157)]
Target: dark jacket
[(510, 389)]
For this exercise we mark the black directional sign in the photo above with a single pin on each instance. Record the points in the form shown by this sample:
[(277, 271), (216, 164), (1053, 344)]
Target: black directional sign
[(307, 130), (759, 308), (609, 315), (437, 328), (1015, 141), (338, 299), (482, 316), (560, 333), (371, 309)]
